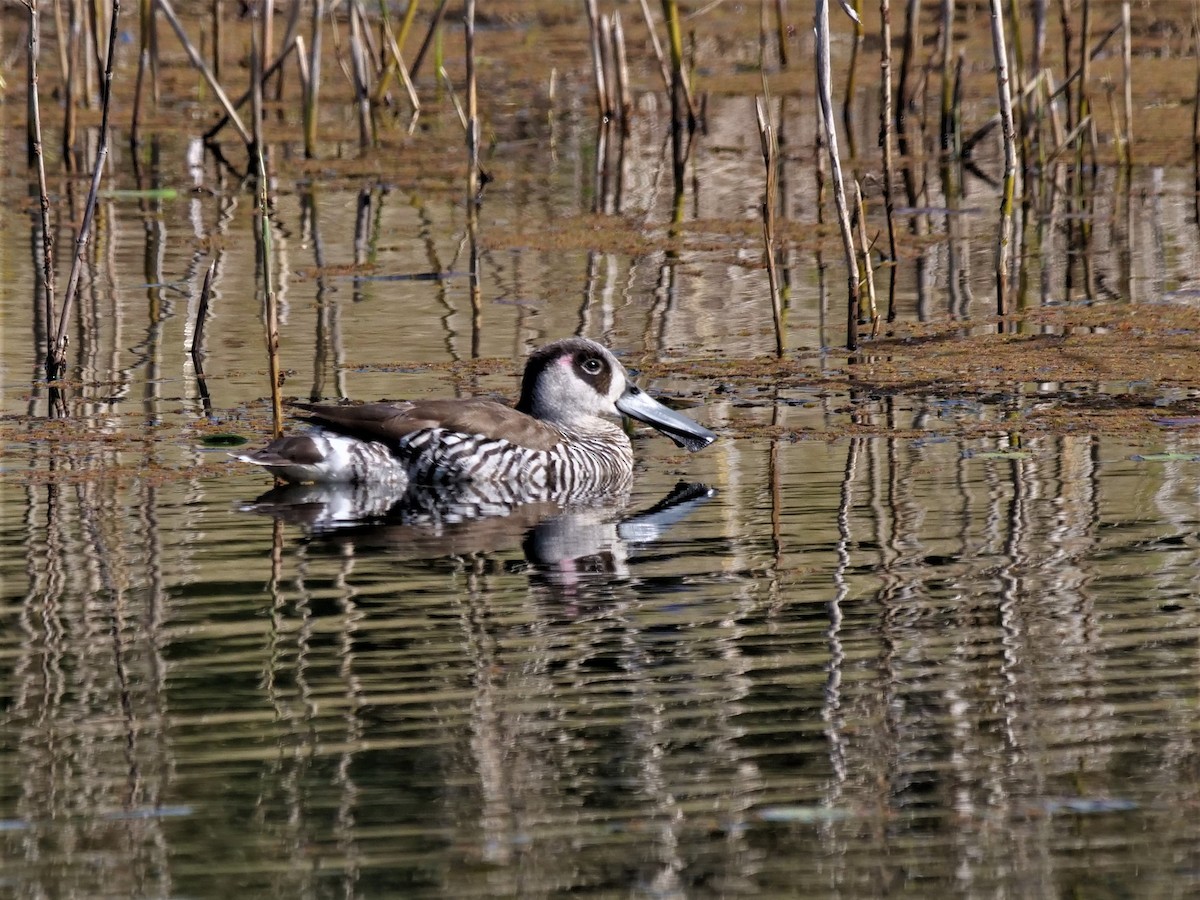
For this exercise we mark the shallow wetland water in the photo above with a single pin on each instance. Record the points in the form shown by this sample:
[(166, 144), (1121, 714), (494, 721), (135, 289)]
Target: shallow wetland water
[(924, 621)]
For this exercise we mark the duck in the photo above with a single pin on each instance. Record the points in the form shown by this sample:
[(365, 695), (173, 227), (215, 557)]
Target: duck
[(560, 442)]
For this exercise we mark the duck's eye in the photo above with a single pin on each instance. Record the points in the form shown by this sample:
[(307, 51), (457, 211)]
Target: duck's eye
[(592, 366)]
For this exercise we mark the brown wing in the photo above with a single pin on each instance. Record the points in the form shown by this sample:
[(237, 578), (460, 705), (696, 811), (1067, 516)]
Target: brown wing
[(391, 422)]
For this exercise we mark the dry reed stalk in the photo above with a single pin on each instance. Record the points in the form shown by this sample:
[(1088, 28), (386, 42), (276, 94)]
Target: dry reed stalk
[(1010, 157), (1049, 91), (145, 15), (358, 59), (912, 29), (607, 65), (429, 36), (1064, 21), (395, 63), (603, 107), (60, 29), (621, 71), (1085, 59), (202, 67), (458, 107), (1196, 122), (291, 42), (302, 65), (268, 35), (949, 113), (218, 27), (1110, 95), (679, 76), (473, 181), (1069, 141), (285, 48), (663, 68), (56, 359), (1039, 35), (37, 156), (93, 60), (1054, 93), (781, 31), (1127, 78), (825, 95), (763, 30), (852, 76), (256, 86), (766, 136), (885, 142), (145, 27), (270, 304), (1017, 70), (70, 85), (313, 81), (865, 243)]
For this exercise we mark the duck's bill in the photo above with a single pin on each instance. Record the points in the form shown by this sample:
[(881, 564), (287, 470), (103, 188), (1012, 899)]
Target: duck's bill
[(637, 404)]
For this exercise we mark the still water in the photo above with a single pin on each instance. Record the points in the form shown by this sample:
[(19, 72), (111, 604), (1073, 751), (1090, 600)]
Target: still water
[(927, 657)]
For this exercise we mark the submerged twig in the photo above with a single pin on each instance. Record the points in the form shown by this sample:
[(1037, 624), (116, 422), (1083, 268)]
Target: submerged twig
[(197, 348)]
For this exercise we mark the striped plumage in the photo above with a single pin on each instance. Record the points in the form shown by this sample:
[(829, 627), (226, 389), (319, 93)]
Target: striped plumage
[(559, 442)]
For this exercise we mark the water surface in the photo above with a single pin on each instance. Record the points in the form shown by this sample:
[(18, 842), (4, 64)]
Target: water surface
[(888, 645)]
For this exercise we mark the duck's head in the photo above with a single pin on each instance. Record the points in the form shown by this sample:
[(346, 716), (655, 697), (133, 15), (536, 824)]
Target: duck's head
[(576, 378)]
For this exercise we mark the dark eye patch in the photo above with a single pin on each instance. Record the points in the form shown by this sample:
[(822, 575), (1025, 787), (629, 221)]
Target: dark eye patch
[(594, 370)]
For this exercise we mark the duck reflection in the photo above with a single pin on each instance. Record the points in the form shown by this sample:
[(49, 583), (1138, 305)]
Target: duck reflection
[(562, 543)]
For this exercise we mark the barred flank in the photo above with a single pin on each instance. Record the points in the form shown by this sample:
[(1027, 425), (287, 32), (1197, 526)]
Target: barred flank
[(582, 464)]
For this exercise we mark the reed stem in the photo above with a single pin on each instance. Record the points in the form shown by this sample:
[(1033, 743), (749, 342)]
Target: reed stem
[(270, 304), (1010, 157), (429, 38), (472, 105), (313, 81), (39, 160), (766, 135), (825, 96), (885, 142), (1127, 78), (603, 106), (56, 359)]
